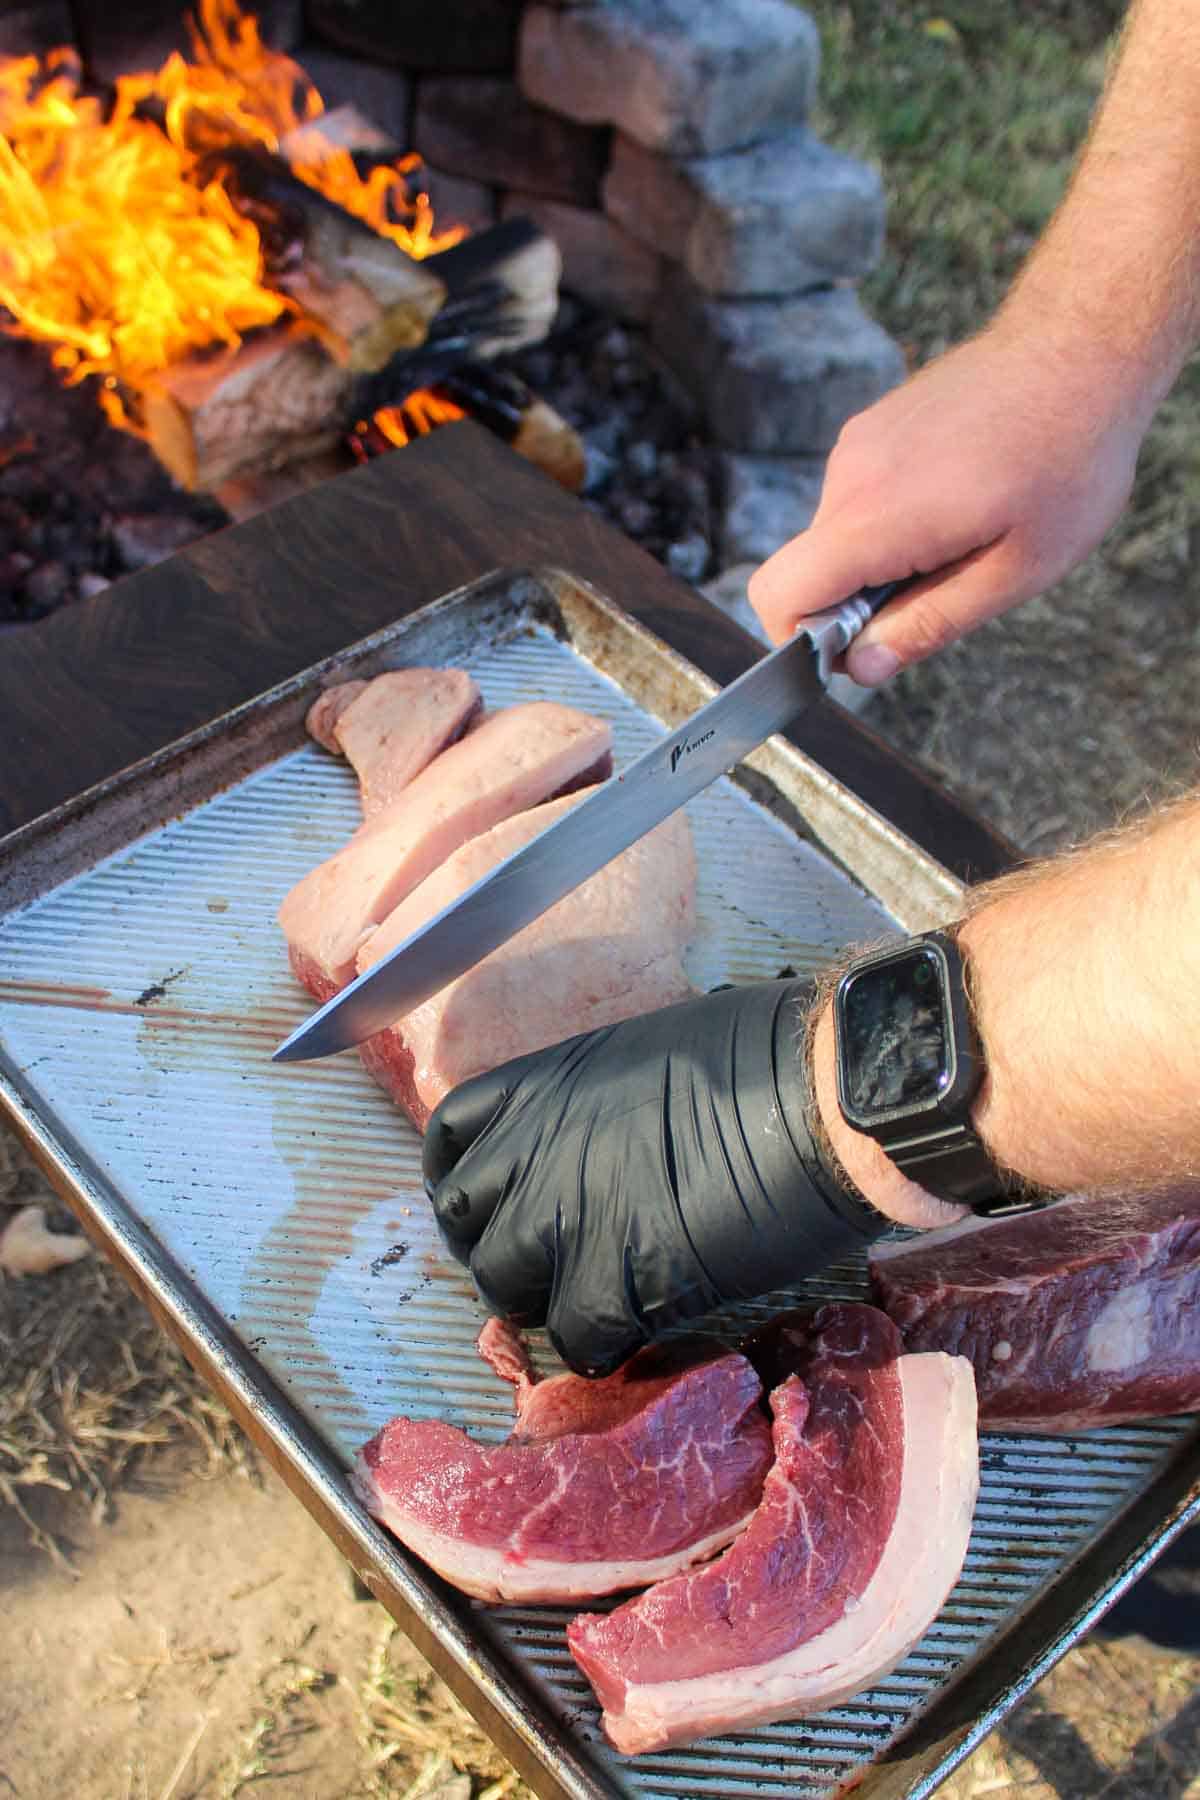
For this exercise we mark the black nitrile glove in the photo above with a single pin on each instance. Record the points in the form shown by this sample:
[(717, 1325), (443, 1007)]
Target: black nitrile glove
[(639, 1175)]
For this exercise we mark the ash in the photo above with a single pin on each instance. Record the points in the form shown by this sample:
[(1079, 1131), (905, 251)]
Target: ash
[(649, 468), (82, 504)]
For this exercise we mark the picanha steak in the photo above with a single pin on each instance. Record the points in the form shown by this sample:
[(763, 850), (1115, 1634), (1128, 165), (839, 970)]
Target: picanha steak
[(392, 727), (859, 1537), (606, 951), (515, 759), (603, 1484), (1086, 1313)]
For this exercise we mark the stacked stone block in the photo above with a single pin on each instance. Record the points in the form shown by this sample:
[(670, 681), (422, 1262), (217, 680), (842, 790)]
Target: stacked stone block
[(665, 146)]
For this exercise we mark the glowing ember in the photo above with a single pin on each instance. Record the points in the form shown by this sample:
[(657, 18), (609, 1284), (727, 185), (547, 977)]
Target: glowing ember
[(420, 414), (114, 250)]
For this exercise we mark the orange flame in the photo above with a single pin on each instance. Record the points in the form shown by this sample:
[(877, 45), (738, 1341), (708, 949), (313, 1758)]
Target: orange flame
[(111, 248), (421, 413)]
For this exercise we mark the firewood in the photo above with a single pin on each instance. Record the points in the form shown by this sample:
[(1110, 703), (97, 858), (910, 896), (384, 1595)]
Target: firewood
[(371, 298), (493, 397), (282, 395), (275, 398), (501, 401), (370, 295), (518, 258)]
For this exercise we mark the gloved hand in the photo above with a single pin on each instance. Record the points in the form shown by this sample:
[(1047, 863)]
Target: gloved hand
[(636, 1176)]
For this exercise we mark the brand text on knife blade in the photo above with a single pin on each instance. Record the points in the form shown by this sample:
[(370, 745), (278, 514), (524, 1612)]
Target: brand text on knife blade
[(687, 745)]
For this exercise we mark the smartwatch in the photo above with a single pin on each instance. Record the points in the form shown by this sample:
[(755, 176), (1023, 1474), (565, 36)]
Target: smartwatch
[(909, 1066)]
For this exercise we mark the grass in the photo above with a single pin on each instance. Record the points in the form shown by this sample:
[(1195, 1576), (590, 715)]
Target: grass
[(975, 115), (414, 1739), (412, 1728), (1080, 707), (89, 1383)]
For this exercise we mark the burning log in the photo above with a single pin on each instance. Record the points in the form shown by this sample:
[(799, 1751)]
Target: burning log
[(371, 298), (282, 396), (369, 294), (276, 398), (496, 398), (276, 280)]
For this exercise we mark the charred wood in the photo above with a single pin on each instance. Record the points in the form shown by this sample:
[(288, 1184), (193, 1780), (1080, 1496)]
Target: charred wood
[(496, 398), (368, 293), (283, 395), (502, 401), (370, 297)]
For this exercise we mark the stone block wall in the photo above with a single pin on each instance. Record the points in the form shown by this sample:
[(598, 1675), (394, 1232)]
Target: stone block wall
[(665, 145)]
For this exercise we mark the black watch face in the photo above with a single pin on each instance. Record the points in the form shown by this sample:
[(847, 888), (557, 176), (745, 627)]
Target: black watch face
[(895, 1034)]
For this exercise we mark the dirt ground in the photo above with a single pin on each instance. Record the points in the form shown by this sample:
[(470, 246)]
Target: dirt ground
[(209, 1641), (209, 1645)]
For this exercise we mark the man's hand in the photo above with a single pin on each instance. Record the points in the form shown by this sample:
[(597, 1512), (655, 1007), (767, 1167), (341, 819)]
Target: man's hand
[(993, 471), (640, 1175)]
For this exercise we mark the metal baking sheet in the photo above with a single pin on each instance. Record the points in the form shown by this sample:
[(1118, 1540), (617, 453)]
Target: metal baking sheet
[(273, 1215)]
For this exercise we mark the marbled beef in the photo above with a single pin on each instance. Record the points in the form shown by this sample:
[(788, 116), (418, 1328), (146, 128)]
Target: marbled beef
[(860, 1535), (1084, 1314), (603, 1484)]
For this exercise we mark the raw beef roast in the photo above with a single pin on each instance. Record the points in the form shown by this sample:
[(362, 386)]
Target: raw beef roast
[(603, 1484), (392, 727), (1084, 1314), (514, 760), (602, 953), (860, 1535)]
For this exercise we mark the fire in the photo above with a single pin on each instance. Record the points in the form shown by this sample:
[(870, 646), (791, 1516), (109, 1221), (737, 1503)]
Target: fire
[(114, 249), (421, 413)]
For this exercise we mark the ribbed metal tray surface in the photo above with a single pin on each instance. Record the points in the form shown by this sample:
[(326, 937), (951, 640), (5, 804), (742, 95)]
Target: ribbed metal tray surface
[(140, 1001)]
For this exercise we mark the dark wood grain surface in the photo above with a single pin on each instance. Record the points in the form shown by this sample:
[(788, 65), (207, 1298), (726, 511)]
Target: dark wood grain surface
[(100, 684)]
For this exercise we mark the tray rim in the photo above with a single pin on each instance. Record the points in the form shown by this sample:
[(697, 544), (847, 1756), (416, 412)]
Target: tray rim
[(432, 1614)]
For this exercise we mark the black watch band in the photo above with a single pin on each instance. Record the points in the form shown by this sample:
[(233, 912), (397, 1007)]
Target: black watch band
[(952, 1162)]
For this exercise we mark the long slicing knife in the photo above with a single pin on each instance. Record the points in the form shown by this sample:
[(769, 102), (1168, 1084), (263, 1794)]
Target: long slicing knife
[(518, 890)]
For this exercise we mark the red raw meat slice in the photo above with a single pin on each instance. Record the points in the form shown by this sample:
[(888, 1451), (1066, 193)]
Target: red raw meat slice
[(1084, 1314), (860, 1535), (516, 759), (606, 951), (392, 727), (603, 1485)]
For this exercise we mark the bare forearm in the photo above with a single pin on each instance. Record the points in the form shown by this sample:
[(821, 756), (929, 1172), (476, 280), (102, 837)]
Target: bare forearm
[(1087, 984), (1117, 272), (1085, 977)]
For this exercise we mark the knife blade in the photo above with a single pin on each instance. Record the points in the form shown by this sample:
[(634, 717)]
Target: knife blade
[(518, 890)]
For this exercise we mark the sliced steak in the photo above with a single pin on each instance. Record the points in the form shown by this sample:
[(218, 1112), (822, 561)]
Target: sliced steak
[(516, 759), (321, 719), (392, 727), (603, 1484), (860, 1536), (1084, 1314), (606, 951)]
